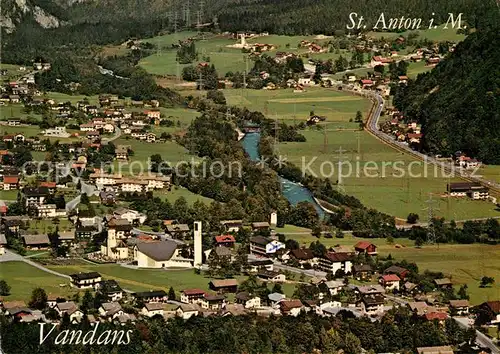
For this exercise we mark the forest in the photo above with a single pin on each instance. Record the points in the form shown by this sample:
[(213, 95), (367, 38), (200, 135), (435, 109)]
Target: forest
[(458, 103)]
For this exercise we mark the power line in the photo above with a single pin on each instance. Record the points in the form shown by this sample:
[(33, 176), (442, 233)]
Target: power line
[(431, 232)]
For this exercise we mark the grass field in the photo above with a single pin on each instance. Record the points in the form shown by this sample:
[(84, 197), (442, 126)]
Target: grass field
[(491, 172), (23, 278), (8, 195), (178, 192), (378, 186), (465, 264), (225, 59), (285, 105)]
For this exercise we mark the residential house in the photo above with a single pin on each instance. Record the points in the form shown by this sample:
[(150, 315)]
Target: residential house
[(35, 195), (271, 276), (225, 241), (490, 312), (232, 225), (132, 216), (10, 183), (333, 262), (303, 256), (178, 230), (151, 309), (401, 272), (121, 152), (192, 296), (186, 311), (213, 302), (224, 285), (460, 307), (160, 254), (85, 280), (445, 349), (390, 281), (274, 299), (263, 246), (261, 225), (151, 296), (444, 283), (257, 265), (362, 271), (247, 300), (110, 310), (71, 309), (110, 289), (291, 307), (85, 231), (365, 247), (372, 304), (40, 241)]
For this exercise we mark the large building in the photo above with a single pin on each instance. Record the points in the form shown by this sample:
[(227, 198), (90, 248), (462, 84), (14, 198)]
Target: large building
[(160, 254), (116, 247), (333, 262), (473, 190)]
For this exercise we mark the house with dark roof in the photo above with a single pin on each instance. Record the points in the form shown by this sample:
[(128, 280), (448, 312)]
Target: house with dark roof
[(443, 283), (372, 304), (213, 302), (460, 307), (401, 272), (268, 275), (260, 264), (247, 300), (291, 307), (35, 195), (362, 271), (177, 230), (224, 285), (264, 247), (85, 280), (160, 254), (40, 241), (302, 255), (489, 312), (333, 262), (110, 289), (151, 296), (192, 296)]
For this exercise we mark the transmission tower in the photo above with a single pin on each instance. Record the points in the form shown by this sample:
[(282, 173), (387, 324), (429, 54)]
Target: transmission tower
[(431, 232)]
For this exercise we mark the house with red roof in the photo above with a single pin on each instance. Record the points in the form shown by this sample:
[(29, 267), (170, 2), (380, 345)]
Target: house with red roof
[(389, 281), (291, 307), (10, 183), (365, 247), (366, 83), (225, 241), (436, 316)]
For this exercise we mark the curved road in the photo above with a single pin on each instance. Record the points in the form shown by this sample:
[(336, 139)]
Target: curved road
[(372, 127)]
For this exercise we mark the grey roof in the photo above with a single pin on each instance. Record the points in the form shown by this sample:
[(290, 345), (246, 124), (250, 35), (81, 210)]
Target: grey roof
[(70, 235), (178, 228), (276, 297), (154, 306), (69, 307), (3, 240), (159, 251), (36, 239)]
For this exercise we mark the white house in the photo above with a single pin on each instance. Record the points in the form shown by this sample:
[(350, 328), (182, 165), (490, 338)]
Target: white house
[(186, 311), (152, 309)]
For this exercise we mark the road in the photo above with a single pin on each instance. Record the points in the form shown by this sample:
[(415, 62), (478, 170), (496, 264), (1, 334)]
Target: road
[(481, 339), (372, 127), (86, 188)]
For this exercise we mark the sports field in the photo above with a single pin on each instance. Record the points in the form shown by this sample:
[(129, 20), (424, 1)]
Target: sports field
[(287, 106), (374, 177)]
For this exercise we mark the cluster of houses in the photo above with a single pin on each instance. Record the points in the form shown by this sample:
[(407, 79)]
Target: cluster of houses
[(409, 133)]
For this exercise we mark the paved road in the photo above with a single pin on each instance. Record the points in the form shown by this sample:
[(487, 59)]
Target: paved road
[(118, 133), (86, 188), (481, 339), (372, 127)]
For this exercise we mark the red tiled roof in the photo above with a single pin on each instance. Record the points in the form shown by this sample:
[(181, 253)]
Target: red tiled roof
[(11, 179), (413, 135), (338, 257), (4, 152), (493, 305), (367, 82), (440, 316), (390, 277), (48, 184), (287, 305), (363, 245), (224, 238)]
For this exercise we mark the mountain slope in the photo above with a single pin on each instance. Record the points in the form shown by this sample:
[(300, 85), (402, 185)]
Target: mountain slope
[(458, 103)]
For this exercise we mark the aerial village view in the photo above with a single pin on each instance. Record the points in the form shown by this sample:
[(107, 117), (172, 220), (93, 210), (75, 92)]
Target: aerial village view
[(221, 176)]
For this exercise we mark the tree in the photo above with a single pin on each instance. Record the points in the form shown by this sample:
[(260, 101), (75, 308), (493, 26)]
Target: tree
[(171, 294), (316, 231), (486, 281), (38, 299), (339, 233), (4, 288), (87, 301), (359, 117), (412, 218), (277, 288), (217, 96), (462, 292), (84, 199), (419, 242)]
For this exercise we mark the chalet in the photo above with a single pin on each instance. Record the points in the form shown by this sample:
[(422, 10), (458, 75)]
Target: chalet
[(432, 61), (85, 231), (213, 302), (362, 271), (88, 127), (107, 197), (225, 241), (192, 296), (414, 138), (152, 114), (50, 185), (224, 285), (247, 300), (444, 349), (365, 247), (14, 98), (85, 280), (444, 283), (110, 289), (390, 281), (36, 241), (271, 276), (379, 60), (436, 316), (151, 309), (490, 312), (35, 195), (302, 255), (93, 135), (67, 237), (291, 307), (132, 216), (151, 296), (461, 307), (232, 225), (177, 230), (262, 225), (401, 272), (334, 262), (366, 83), (71, 309), (372, 304), (403, 79), (410, 288), (333, 287)]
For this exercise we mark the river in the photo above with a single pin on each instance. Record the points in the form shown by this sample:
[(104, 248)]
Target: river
[(293, 192)]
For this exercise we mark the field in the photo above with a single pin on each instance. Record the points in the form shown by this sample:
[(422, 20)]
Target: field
[(23, 278), (290, 107), (178, 192), (464, 264), (225, 59), (378, 184), (490, 172)]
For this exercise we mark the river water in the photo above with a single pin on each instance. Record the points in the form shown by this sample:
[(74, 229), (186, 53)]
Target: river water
[(293, 192)]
